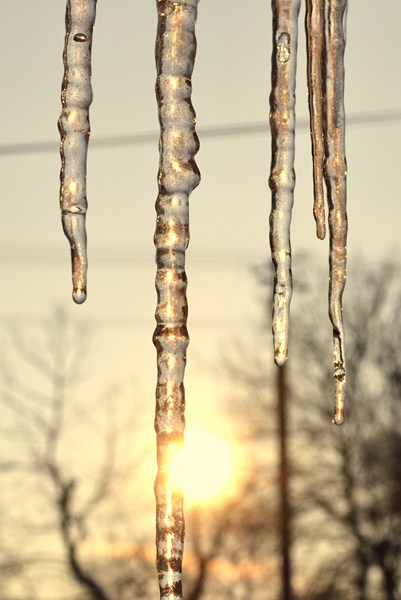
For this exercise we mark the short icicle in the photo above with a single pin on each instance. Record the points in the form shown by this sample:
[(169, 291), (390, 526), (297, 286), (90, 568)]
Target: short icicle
[(335, 175), (76, 97), (315, 41), (282, 175), (178, 176)]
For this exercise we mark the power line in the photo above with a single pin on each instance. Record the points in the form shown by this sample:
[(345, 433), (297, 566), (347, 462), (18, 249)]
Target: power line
[(125, 256), (215, 132), (143, 322)]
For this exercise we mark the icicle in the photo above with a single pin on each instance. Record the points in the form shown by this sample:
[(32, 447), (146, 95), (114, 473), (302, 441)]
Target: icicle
[(76, 97), (178, 176), (315, 38), (282, 175), (335, 175)]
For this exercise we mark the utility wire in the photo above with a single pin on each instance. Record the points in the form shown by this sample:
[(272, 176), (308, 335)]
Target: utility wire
[(222, 131), (23, 321), (124, 256)]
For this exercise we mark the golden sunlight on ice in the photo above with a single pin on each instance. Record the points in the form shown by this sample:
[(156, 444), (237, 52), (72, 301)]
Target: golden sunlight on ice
[(73, 187)]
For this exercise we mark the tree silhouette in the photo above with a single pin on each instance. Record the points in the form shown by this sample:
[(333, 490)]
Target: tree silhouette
[(67, 460), (61, 495), (69, 464), (345, 482)]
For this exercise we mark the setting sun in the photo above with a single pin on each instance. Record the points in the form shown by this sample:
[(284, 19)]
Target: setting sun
[(204, 467)]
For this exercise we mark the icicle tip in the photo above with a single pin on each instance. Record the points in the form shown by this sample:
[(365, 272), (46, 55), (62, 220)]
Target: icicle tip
[(280, 356), (339, 397), (79, 295), (320, 227), (338, 417)]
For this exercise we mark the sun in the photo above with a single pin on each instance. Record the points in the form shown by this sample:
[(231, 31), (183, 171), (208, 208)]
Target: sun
[(205, 467)]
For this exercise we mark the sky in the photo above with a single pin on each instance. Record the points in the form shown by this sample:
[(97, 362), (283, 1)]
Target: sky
[(230, 208)]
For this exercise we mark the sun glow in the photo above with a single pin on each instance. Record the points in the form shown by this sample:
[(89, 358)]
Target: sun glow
[(205, 467)]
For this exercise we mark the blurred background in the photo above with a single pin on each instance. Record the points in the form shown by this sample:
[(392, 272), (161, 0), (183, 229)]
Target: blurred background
[(77, 382)]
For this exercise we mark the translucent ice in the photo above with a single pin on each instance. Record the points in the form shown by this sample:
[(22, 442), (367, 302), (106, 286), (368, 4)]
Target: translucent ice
[(335, 175), (325, 32), (76, 97), (282, 174), (178, 176), (315, 41)]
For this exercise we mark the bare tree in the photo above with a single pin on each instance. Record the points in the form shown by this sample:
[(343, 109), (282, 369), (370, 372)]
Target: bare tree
[(345, 482), (353, 477), (64, 474), (62, 468), (229, 545)]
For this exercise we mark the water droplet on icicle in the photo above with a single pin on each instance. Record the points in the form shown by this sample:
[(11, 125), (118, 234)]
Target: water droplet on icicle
[(80, 37), (283, 48), (74, 229), (79, 295), (76, 97)]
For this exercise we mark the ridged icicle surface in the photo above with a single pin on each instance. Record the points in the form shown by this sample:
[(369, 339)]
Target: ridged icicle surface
[(76, 97), (282, 174), (325, 32), (178, 176), (335, 175), (315, 42)]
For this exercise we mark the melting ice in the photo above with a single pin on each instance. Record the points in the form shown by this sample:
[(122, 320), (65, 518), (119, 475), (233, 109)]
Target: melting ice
[(76, 97), (178, 176), (325, 32)]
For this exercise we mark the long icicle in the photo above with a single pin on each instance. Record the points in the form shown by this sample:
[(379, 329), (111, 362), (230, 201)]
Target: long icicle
[(74, 127), (335, 175), (315, 42), (282, 175), (178, 176)]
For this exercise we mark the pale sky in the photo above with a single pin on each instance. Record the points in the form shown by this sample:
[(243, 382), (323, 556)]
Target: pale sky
[(229, 210)]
